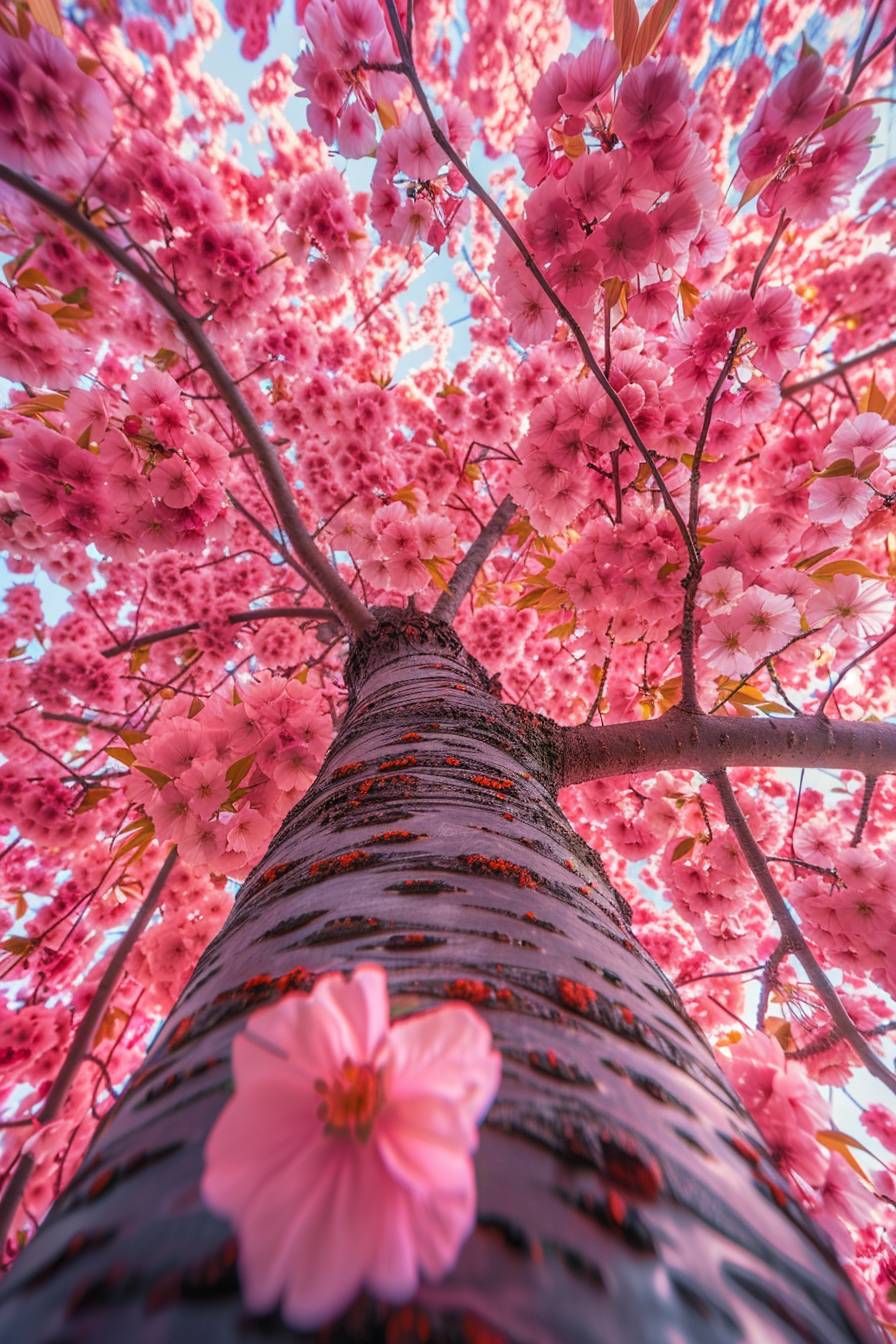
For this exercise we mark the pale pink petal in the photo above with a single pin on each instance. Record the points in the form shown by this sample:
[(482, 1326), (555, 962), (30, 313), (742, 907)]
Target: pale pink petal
[(290, 1124), (423, 1143), (278, 1216), (314, 1039), (361, 1005), (449, 1052), (441, 1226), (392, 1273), (333, 1237)]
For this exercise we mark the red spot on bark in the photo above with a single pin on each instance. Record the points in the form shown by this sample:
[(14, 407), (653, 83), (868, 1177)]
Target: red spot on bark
[(481, 863), (504, 996), (270, 874), (488, 782), (341, 863), (452, 760), (476, 1331), (412, 737), (530, 914), (627, 1015), (637, 1172), (474, 991), (393, 837), (616, 1207), (100, 1183), (350, 768), (396, 763), (568, 863), (508, 816), (409, 1325), (747, 1151), (575, 995), (180, 1031)]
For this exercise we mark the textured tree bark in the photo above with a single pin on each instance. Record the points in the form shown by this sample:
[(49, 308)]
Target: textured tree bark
[(624, 1196)]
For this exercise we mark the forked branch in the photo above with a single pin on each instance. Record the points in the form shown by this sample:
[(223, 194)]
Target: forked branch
[(350, 610), (792, 934)]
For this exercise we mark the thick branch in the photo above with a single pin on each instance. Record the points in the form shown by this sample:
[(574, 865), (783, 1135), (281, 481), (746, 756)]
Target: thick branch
[(464, 576), (350, 610), (235, 618), (83, 1039), (835, 371), (792, 934), (707, 743)]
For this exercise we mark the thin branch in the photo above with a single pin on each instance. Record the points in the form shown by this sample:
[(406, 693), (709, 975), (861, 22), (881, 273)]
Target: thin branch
[(854, 662), (235, 618), (353, 614), (706, 742), (792, 934), (864, 809), (835, 371), (537, 275), (831, 1038), (83, 1039), (464, 576), (268, 535), (769, 976)]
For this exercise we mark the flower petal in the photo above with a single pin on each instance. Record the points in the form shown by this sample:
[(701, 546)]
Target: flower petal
[(360, 1005), (447, 1052)]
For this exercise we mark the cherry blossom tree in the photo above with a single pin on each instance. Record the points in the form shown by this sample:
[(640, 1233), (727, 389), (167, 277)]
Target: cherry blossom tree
[(448, 718)]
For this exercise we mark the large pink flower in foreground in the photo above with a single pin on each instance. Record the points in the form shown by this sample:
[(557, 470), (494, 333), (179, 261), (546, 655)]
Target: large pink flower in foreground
[(343, 1158)]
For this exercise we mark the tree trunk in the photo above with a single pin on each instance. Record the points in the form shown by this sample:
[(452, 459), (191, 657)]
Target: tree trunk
[(624, 1196)]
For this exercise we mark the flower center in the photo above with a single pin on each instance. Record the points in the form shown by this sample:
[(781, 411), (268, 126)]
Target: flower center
[(351, 1100)]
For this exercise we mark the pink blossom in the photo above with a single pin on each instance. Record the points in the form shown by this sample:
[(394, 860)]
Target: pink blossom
[(769, 620), (590, 75), (880, 1122), (839, 499), (357, 132), (344, 1156), (625, 242), (861, 440), (857, 606), (418, 154), (721, 587), (723, 642)]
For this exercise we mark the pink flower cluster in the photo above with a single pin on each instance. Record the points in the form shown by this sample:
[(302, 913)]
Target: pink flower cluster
[(807, 144), (323, 231), (347, 37), (127, 478), (769, 325), (35, 349), (639, 204), (55, 120), (853, 922), (215, 783), (393, 544), (789, 1111)]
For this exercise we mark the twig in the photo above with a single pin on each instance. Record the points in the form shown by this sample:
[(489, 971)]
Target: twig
[(235, 618), (864, 809), (83, 1039), (792, 934), (791, 389)]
